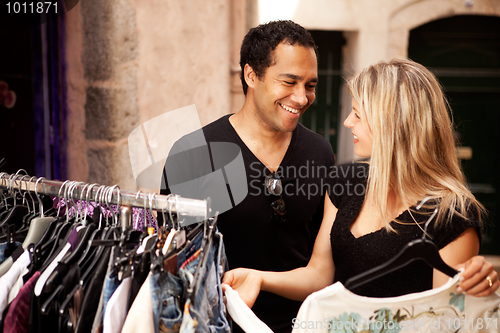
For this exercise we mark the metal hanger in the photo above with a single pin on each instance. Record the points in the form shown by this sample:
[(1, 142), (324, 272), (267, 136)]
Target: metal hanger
[(419, 249)]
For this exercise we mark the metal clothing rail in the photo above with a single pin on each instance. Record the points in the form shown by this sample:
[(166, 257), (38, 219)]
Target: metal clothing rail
[(105, 194)]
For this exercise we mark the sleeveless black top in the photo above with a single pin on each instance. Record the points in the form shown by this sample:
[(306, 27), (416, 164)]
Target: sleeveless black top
[(353, 255)]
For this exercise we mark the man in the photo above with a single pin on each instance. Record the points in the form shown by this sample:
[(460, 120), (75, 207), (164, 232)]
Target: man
[(273, 227)]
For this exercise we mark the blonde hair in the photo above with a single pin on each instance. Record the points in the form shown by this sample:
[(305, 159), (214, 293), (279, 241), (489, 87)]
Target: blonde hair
[(413, 151)]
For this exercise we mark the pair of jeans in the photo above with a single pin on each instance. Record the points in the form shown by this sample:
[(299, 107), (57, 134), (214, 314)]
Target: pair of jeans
[(206, 312), (167, 292)]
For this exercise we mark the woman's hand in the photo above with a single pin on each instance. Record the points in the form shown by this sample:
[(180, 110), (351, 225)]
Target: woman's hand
[(246, 282), (479, 277)]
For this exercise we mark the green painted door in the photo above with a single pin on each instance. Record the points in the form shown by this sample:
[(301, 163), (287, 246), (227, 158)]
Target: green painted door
[(464, 53), (323, 116)]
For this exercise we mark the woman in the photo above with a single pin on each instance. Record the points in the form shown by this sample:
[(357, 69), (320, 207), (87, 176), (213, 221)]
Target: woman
[(400, 120)]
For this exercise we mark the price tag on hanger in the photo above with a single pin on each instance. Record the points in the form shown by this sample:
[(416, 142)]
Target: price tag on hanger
[(180, 238)]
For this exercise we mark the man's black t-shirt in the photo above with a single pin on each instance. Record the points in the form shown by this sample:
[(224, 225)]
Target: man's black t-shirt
[(252, 238)]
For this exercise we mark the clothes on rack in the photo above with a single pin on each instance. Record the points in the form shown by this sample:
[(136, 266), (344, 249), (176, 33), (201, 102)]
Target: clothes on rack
[(8, 280), (17, 317), (4, 252), (140, 217), (114, 317), (205, 310), (141, 317), (196, 270), (85, 272), (91, 302), (336, 309)]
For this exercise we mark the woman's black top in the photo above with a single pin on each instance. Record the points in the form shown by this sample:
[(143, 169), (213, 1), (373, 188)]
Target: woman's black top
[(353, 255)]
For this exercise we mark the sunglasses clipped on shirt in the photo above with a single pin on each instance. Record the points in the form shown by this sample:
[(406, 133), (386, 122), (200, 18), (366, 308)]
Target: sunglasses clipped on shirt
[(274, 187)]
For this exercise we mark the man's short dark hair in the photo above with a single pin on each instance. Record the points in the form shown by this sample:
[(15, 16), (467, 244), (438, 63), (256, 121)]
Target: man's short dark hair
[(260, 42)]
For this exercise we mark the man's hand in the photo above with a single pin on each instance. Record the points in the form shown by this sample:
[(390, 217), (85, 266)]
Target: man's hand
[(246, 282)]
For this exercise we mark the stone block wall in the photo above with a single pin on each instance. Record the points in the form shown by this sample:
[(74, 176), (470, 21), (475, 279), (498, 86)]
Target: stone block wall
[(131, 61)]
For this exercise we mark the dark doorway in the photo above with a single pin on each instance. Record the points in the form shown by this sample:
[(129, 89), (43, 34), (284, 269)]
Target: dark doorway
[(323, 116), (17, 125), (464, 53), (32, 66)]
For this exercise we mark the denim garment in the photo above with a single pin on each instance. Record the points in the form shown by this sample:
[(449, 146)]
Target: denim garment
[(189, 249), (98, 318), (188, 324), (3, 247), (110, 286), (167, 292), (207, 313), (186, 273)]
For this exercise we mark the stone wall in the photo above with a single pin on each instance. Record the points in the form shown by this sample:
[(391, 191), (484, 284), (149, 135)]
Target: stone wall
[(131, 61)]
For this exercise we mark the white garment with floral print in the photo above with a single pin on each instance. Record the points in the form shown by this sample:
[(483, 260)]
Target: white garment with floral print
[(336, 309)]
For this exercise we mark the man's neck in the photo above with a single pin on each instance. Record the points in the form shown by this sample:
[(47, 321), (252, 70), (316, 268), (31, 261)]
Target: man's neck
[(267, 144)]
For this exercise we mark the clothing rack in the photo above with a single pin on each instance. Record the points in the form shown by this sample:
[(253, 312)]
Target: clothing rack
[(106, 194)]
